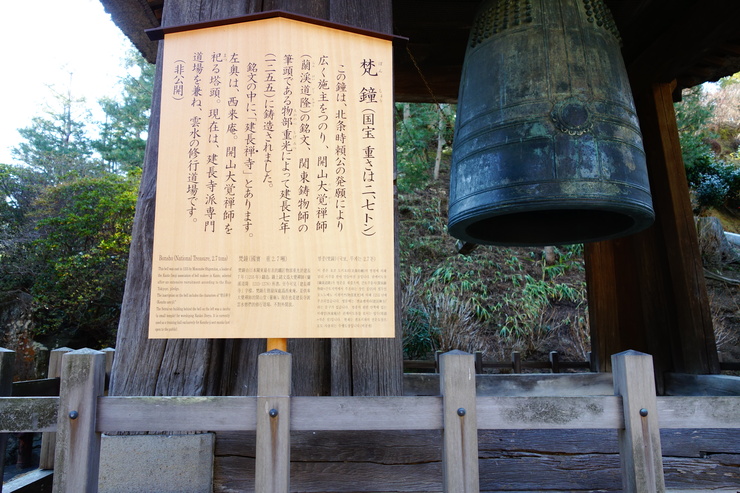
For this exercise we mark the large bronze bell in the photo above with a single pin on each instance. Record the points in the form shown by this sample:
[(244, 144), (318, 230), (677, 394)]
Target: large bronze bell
[(547, 147)]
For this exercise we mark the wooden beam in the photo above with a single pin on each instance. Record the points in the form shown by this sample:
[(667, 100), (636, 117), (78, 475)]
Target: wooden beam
[(692, 339), (272, 467), (647, 291), (7, 368), (77, 458), (700, 28), (49, 440), (460, 421), (639, 442)]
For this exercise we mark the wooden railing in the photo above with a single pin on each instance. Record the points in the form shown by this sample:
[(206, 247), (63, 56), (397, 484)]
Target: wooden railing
[(81, 413), (516, 365)]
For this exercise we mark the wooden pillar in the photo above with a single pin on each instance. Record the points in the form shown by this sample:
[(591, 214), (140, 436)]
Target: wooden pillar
[(77, 458), (460, 445), (229, 367), (639, 442), (647, 291), (272, 461), (7, 368), (49, 439)]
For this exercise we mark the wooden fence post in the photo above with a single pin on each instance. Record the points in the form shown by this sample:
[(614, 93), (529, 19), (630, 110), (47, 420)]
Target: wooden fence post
[(460, 446), (48, 439), (555, 361), (110, 353), (639, 442), (272, 464), (478, 362), (7, 364), (77, 457), (516, 361)]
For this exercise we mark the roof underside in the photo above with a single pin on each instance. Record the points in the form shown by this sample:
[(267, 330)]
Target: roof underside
[(688, 41)]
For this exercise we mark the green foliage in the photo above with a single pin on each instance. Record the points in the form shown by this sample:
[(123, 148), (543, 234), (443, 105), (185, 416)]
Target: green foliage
[(74, 263), (66, 214), (715, 182), (56, 146), (419, 336), (122, 139), (417, 133)]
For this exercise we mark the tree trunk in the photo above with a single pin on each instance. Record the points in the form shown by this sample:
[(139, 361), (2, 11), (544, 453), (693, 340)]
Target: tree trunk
[(228, 367), (440, 142)]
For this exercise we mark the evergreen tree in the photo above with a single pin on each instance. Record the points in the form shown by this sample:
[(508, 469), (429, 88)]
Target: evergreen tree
[(67, 210), (56, 145), (123, 134)]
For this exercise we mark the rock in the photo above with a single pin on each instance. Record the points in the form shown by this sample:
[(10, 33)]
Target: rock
[(714, 245)]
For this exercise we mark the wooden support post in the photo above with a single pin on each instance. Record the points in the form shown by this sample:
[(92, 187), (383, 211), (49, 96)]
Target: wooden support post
[(460, 446), (272, 469), (279, 344), (478, 362), (110, 354), (555, 361), (647, 291), (77, 458), (48, 439), (7, 364), (516, 361), (639, 442)]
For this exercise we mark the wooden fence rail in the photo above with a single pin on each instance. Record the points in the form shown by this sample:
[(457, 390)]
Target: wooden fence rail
[(516, 365), (82, 413)]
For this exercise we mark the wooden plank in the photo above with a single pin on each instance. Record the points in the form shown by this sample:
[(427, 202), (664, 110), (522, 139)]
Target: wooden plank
[(386, 447), (366, 413), (603, 412), (7, 367), (459, 415), (117, 414), (525, 472), (513, 460), (686, 384), (341, 363), (699, 412), (77, 457), (272, 468), (44, 387), (36, 481), (182, 414), (48, 440), (576, 384), (639, 441), (28, 414)]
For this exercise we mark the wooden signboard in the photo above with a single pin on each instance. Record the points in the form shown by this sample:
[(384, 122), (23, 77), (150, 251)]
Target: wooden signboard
[(274, 210)]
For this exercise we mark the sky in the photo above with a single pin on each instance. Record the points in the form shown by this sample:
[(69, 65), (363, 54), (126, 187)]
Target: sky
[(45, 41)]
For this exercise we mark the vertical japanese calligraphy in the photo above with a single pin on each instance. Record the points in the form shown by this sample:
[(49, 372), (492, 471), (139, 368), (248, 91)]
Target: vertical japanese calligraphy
[(275, 185)]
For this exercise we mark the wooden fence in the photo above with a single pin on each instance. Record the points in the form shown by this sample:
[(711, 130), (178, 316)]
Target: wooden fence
[(516, 365), (81, 413)]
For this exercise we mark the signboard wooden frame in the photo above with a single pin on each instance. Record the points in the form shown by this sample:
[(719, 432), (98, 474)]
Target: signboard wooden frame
[(275, 206)]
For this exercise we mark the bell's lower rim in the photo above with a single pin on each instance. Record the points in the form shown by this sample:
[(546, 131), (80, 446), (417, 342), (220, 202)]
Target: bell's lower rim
[(561, 224)]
